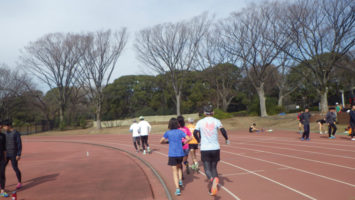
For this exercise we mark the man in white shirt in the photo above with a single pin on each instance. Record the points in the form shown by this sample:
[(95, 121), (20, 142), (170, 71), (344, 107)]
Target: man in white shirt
[(134, 129), (144, 130), (206, 133)]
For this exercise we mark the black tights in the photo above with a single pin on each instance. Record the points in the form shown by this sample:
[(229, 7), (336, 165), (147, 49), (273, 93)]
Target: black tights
[(14, 164), (136, 141), (144, 141), (333, 127), (210, 169), (2, 174)]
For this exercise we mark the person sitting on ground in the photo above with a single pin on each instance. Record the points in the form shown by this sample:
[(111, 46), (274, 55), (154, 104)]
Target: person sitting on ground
[(253, 129)]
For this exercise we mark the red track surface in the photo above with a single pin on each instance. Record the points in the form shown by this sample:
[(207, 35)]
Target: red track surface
[(274, 165)]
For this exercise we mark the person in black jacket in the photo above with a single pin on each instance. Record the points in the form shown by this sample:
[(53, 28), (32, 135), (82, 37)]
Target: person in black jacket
[(331, 119), (2, 162), (305, 118), (352, 121), (13, 149)]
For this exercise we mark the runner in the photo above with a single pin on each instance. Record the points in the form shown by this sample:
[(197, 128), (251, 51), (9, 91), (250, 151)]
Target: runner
[(2, 162), (185, 147), (135, 135), (206, 131), (300, 125), (304, 119), (331, 118), (174, 137), (193, 145), (352, 121), (13, 149), (144, 130)]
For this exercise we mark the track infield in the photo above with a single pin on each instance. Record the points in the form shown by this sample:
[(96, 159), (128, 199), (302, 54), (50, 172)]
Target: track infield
[(271, 165)]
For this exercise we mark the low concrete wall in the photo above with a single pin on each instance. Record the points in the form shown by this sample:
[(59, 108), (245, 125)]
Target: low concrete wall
[(150, 119)]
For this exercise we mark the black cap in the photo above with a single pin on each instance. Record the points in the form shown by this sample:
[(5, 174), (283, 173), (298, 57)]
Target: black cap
[(208, 109)]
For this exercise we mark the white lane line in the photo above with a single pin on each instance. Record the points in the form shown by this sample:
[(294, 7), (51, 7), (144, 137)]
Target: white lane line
[(221, 186), (296, 157), (269, 179), (310, 152), (278, 139), (264, 177), (286, 166), (241, 173)]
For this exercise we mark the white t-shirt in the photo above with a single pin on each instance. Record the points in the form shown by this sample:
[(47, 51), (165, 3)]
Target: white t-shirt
[(134, 129), (208, 128), (144, 128)]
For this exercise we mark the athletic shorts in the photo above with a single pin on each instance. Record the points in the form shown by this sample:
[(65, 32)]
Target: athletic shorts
[(210, 156), (193, 146), (186, 152), (136, 139), (173, 161)]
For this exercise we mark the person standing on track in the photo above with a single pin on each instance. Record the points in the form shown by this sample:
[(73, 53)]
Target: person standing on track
[(185, 146), (13, 149), (305, 119), (144, 131), (206, 132), (193, 144), (2, 162), (331, 119), (174, 137), (134, 129), (352, 121)]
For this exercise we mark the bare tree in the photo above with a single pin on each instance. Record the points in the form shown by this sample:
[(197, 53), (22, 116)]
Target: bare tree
[(249, 36), (214, 59), (101, 55), (12, 84), (172, 49), (55, 60), (322, 32)]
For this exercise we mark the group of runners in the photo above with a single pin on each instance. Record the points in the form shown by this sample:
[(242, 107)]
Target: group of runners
[(185, 140), (11, 148), (330, 119)]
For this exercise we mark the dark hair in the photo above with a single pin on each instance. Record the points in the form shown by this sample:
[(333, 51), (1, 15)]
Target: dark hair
[(6, 122), (254, 124), (181, 121), (173, 124), (208, 109)]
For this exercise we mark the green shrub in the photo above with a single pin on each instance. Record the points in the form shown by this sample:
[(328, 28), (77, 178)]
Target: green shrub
[(83, 123), (220, 114), (62, 125)]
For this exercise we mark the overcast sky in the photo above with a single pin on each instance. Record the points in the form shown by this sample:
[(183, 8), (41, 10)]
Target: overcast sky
[(23, 21)]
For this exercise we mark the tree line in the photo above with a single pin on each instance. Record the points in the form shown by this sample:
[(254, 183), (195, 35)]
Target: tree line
[(255, 59)]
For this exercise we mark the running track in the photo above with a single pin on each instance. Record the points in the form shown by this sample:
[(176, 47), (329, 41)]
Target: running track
[(274, 165)]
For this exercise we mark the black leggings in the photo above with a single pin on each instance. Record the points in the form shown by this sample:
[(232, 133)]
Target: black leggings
[(210, 169), (2, 174), (334, 127), (136, 140), (144, 141), (14, 164)]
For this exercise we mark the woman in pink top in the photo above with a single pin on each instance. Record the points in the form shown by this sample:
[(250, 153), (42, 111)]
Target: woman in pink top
[(185, 147)]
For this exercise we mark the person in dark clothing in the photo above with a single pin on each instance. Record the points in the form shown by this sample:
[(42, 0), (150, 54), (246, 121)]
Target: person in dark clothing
[(352, 121), (2, 163), (331, 119), (13, 149), (305, 118)]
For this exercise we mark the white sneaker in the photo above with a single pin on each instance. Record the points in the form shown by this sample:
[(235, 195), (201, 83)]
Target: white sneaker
[(148, 149), (144, 152), (352, 138)]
